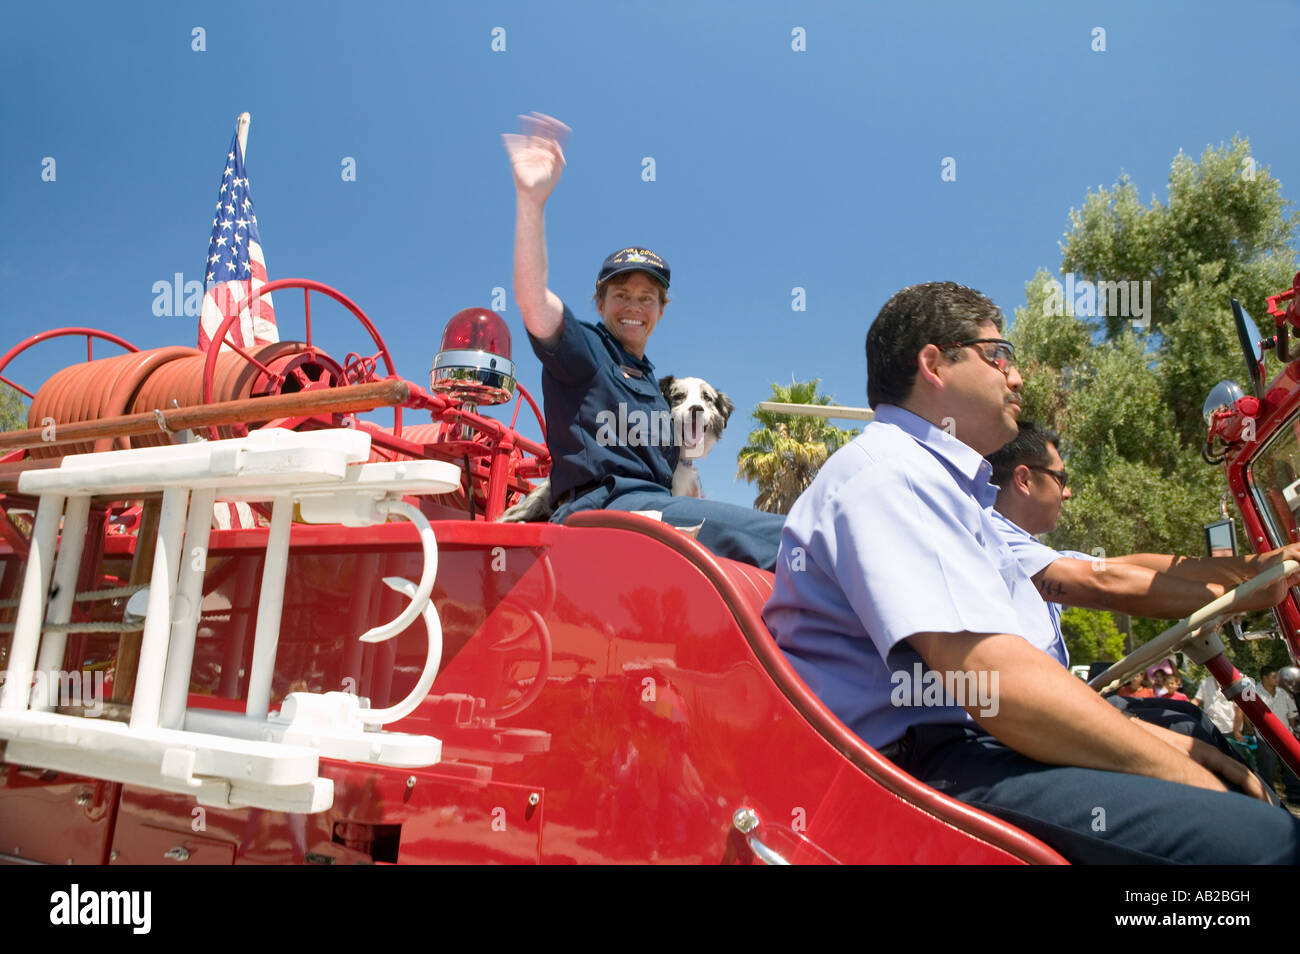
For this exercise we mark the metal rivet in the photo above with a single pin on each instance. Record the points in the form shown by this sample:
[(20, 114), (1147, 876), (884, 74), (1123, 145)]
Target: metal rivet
[(533, 799), (410, 781), (83, 798), (179, 853), (745, 820), (112, 855)]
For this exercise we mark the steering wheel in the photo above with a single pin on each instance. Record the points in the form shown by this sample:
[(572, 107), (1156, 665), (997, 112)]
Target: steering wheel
[(1206, 619), (295, 376)]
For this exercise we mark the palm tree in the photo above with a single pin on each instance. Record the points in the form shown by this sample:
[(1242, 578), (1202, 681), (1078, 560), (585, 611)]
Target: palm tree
[(785, 452)]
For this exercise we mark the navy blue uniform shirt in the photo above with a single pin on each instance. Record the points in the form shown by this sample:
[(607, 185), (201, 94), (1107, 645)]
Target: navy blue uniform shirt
[(605, 416)]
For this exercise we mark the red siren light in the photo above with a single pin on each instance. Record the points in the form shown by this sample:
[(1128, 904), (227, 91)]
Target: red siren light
[(473, 364)]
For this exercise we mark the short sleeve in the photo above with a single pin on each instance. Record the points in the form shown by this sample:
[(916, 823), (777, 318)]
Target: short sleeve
[(1033, 557), (908, 563), (571, 359), (1200, 690)]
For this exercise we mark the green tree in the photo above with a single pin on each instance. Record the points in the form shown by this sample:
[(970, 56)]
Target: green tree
[(1126, 397), (1091, 636), (785, 451), (13, 413)]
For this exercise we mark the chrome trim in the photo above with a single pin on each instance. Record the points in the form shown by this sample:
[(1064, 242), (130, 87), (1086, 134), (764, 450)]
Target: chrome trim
[(746, 821), (476, 376)]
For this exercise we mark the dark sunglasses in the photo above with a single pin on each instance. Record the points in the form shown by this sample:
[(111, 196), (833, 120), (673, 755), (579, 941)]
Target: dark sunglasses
[(1058, 475), (1002, 357)]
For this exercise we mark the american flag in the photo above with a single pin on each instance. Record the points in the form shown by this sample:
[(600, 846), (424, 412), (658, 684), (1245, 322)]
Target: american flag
[(235, 268)]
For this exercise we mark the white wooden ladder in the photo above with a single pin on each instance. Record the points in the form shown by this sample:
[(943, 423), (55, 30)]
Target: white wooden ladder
[(256, 758)]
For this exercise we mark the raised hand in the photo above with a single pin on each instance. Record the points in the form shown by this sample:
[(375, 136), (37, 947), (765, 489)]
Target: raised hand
[(536, 155)]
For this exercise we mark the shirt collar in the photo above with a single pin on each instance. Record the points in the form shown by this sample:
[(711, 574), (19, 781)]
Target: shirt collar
[(962, 459), (999, 517), (623, 355)]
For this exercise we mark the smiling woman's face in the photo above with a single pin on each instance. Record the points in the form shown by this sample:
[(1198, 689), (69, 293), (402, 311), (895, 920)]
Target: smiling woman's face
[(631, 310)]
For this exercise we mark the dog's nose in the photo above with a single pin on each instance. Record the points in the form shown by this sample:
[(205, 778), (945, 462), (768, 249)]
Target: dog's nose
[(697, 414)]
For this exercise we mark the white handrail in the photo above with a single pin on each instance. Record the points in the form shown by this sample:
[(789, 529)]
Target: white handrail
[(429, 544), (431, 663)]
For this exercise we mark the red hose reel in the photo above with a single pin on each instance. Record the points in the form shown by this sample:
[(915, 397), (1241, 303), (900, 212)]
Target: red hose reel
[(172, 377)]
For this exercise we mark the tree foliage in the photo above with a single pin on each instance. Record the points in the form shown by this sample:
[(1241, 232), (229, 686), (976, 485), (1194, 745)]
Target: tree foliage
[(1127, 400), (1126, 397), (13, 412), (785, 452), (1091, 636)]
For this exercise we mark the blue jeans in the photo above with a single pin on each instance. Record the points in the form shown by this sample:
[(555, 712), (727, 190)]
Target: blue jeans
[(739, 533), (1097, 817)]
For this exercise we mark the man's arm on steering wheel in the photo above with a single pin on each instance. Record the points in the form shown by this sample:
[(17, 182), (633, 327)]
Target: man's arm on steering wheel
[(1130, 587), (1226, 571)]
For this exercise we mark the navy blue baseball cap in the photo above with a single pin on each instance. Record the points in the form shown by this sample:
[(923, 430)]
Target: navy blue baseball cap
[(634, 260)]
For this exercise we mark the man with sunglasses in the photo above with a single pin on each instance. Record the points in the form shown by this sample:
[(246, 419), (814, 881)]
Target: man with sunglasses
[(1033, 487), (892, 564)]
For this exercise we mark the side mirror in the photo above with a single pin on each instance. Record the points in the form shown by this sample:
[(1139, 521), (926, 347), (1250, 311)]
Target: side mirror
[(1221, 538)]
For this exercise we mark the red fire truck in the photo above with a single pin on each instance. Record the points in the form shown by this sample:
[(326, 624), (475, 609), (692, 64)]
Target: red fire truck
[(241, 623)]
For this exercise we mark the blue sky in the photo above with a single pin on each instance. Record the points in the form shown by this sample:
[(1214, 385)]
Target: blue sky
[(773, 168)]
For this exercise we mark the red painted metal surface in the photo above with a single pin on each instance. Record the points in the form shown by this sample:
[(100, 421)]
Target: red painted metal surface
[(1278, 736), (1279, 409), (657, 718), (607, 693), (308, 286), (656, 721)]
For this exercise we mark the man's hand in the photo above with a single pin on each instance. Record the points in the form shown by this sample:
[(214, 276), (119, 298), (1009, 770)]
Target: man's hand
[(1275, 592), (1046, 714), (537, 155), (1207, 756)]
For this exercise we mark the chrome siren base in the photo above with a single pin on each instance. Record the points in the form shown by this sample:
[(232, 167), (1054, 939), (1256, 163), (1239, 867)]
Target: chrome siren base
[(477, 377)]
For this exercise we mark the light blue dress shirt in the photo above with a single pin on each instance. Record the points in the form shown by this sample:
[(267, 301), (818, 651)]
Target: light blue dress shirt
[(1033, 557), (894, 537)]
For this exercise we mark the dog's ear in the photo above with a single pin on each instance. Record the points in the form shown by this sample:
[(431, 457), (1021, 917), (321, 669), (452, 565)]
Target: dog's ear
[(666, 386), (725, 406)]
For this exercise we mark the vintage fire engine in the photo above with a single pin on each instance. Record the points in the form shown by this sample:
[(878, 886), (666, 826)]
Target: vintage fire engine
[(243, 624)]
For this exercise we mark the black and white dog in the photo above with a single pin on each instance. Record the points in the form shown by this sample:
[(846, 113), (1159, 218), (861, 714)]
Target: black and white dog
[(700, 413)]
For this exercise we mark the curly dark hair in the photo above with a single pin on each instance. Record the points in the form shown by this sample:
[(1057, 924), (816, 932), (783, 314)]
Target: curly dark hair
[(933, 313)]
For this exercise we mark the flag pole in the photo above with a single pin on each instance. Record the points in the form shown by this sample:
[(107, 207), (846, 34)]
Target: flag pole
[(241, 124)]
